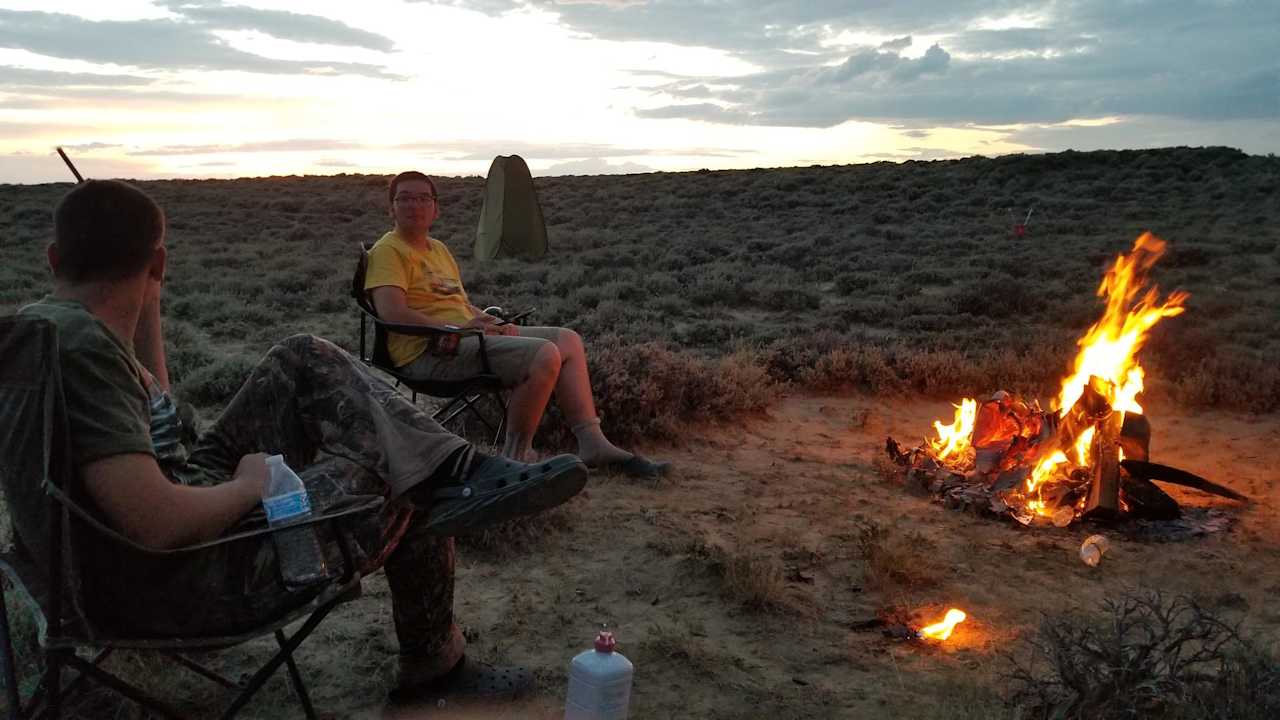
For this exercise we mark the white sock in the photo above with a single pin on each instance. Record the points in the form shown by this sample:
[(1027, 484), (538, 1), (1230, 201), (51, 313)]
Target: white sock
[(593, 446)]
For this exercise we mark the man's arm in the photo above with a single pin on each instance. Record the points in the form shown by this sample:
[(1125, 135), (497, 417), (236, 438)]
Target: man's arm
[(146, 507), (148, 341), (391, 304)]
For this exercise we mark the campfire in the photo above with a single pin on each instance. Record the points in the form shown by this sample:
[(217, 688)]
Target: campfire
[(1086, 456)]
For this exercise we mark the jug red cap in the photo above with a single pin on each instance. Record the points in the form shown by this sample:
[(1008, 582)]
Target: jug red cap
[(605, 642)]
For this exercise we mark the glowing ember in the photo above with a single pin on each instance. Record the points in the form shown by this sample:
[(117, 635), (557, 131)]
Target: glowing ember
[(942, 630)]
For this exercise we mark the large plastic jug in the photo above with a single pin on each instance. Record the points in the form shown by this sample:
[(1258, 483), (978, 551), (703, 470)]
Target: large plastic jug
[(599, 683)]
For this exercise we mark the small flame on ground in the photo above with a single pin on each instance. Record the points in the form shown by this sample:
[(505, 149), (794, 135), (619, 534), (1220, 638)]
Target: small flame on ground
[(942, 630)]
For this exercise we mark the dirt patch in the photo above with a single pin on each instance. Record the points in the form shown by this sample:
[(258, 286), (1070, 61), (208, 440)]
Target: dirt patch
[(737, 586)]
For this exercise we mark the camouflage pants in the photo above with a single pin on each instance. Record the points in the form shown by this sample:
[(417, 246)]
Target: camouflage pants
[(346, 432)]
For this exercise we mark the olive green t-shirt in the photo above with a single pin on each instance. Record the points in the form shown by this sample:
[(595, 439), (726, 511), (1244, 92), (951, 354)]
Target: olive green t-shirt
[(114, 405)]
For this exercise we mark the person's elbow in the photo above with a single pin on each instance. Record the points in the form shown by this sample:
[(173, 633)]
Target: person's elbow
[(138, 501)]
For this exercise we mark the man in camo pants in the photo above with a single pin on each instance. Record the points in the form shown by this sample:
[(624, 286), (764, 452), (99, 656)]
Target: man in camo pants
[(347, 431)]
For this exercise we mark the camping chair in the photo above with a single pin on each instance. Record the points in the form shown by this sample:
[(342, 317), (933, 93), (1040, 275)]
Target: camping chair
[(43, 502), (461, 396)]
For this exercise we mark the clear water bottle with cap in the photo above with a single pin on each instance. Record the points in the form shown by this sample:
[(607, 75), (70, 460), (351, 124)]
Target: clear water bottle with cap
[(285, 499), (1092, 550), (599, 683)]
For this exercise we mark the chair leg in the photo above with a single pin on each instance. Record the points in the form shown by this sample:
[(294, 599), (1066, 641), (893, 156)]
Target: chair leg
[(147, 701), (53, 660), (286, 651), (296, 678), (9, 661)]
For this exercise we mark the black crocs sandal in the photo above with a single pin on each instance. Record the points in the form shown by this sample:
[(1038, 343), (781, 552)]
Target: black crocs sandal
[(488, 490), (636, 466), (469, 679)]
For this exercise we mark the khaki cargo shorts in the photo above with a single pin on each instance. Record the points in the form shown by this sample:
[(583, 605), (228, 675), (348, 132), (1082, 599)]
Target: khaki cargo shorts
[(509, 357)]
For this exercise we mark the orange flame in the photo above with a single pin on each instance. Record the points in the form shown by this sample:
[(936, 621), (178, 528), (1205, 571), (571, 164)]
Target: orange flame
[(942, 630), (1109, 349), (955, 439)]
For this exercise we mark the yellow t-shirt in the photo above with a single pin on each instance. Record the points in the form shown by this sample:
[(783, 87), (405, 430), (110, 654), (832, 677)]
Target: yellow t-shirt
[(431, 283)]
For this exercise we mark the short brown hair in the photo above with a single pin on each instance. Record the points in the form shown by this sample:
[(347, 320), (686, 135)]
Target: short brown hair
[(105, 230), (405, 176)]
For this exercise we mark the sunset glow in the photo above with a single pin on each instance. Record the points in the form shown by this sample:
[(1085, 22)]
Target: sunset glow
[(196, 88)]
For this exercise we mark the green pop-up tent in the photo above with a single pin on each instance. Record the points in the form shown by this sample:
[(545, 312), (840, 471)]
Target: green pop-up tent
[(511, 222)]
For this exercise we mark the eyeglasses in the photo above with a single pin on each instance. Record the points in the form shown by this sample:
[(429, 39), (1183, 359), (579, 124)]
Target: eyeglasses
[(410, 198)]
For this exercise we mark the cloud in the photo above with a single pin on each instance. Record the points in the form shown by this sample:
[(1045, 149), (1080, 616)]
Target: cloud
[(23, 167), (881, 67), (291, 145), (13, 130), (1077, 58), (488, 149), (89, 147), (162, 44), (1023, 40), (28, 77), (595, 166), (277, 23), (897, 44)]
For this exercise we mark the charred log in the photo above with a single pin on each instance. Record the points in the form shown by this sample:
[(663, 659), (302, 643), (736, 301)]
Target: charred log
[(1135, 436), (1104, 489), (1146, 501), (1164, 473)]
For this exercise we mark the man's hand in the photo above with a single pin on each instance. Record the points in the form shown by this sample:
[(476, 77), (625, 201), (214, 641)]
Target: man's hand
[(251, 471), (491, 325)]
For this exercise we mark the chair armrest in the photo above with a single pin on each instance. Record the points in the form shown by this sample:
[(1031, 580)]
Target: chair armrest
[(349, 505), (422, 330)]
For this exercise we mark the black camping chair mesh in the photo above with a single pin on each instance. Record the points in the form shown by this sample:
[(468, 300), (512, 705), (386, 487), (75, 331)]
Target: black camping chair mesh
[(467, 395), (42, 502)]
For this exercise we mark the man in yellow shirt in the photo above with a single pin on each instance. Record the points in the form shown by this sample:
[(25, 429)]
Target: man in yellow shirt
[(413, 279)]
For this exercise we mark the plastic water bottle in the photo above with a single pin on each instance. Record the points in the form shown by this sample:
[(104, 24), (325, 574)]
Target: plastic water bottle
[(285, 500), (599, 683), (1092, 550)]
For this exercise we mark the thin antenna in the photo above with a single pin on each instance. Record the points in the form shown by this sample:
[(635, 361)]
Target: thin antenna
[(67, 160)]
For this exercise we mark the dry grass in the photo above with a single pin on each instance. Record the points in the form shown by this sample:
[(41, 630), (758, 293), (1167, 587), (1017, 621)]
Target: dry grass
[(1146, 655), (756, 581), (895, 560)]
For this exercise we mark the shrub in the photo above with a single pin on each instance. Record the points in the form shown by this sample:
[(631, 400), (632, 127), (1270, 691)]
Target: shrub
[(647, 390), (1146, 656)]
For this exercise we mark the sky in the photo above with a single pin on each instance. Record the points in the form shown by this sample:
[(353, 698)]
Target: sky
[(233, 88)]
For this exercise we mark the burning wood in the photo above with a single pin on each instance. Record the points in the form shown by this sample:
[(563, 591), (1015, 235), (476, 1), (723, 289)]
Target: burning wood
[(1005, 454)]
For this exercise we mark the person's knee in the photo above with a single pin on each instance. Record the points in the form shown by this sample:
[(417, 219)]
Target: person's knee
[(569, 343), (301, 342), (307, 348), (546, 363)]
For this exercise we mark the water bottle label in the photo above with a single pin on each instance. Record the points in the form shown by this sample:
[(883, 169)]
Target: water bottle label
[(286, 506)]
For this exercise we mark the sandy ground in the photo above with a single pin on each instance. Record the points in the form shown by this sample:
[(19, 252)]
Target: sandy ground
[(737, 584), (782, 498)]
